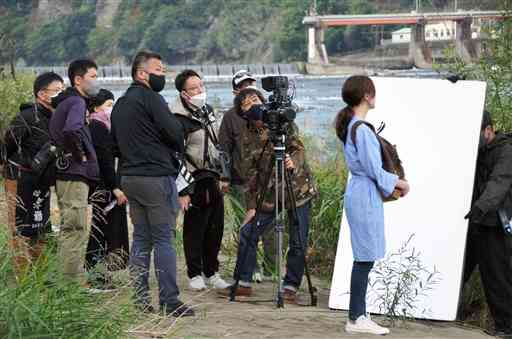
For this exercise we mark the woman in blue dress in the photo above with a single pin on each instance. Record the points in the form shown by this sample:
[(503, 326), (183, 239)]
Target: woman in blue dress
[(363, 196)]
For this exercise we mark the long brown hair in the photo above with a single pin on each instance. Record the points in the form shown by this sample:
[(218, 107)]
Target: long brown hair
[(353, 92)]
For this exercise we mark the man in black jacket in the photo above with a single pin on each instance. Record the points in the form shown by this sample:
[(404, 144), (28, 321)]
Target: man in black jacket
[(488, 246), (26, 134), (150, 140)]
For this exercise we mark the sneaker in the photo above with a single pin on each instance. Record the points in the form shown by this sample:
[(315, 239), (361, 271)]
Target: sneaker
[(197, 283), (241, 291), (289, 296), (178, 310), (216, 282), (258, 277), (364, 324)]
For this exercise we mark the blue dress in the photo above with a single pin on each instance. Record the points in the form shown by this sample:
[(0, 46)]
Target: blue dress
[(363, 202)]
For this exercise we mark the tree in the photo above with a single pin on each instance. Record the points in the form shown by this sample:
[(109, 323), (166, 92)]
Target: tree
[(494, 67)]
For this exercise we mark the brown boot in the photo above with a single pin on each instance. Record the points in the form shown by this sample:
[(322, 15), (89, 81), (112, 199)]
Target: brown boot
[(289, 296), (241, 291)]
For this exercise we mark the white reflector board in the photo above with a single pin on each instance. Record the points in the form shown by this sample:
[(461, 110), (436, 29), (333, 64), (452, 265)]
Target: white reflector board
[(436, 126)]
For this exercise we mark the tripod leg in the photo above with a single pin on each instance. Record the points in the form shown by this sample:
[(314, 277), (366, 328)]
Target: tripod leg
[(293, 202)]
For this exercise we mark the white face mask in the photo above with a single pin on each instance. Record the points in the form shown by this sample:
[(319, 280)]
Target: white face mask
[(108, 111), (198, 100)]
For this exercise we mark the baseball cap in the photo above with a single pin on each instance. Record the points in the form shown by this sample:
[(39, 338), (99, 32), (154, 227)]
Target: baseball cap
[(240, 76)]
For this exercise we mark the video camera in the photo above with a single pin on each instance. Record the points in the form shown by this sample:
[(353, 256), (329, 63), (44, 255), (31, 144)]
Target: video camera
[(280, 110)]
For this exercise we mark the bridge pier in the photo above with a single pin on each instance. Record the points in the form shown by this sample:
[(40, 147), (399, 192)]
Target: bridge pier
[(420, 55), (317, 53), (465, 46)]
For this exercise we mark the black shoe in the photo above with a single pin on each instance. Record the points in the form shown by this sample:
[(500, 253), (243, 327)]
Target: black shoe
[(178, 310), (507, 334), (145, 308), (500, 333)]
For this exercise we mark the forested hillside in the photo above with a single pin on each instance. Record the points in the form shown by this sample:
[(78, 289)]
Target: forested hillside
[(49, 32)]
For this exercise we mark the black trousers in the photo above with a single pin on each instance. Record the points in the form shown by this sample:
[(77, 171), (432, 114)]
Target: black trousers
[(491, 250), (203, 228), (33, 206), (108, 238)]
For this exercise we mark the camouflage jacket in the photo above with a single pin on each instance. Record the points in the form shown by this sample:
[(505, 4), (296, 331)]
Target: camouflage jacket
[(258, 160)]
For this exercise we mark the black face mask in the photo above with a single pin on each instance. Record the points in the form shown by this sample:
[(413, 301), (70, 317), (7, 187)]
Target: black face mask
[(156, 82), (256, 112)]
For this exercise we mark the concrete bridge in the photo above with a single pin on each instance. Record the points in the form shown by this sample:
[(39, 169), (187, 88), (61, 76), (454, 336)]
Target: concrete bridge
[(419, 53)]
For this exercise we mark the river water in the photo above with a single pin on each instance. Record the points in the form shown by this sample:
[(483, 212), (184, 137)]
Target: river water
[(318, 97)]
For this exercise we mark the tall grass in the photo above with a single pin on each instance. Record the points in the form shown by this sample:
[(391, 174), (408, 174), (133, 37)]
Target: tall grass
[(331, 177), (44, 304), (12, 94)]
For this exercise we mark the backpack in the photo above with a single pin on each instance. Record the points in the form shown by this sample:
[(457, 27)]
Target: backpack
[(390, 160)]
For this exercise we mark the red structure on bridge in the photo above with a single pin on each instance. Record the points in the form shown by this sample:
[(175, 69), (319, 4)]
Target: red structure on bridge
[(418, 51)]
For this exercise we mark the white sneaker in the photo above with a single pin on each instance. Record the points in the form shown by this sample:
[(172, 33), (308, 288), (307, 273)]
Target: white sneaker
[(197, 283), (258, 277), (364, 324), (216, 282)]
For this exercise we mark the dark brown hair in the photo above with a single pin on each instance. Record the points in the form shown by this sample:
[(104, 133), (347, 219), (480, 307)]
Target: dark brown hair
[(182, 78), (353, 92), (237, 102), (79, 68)]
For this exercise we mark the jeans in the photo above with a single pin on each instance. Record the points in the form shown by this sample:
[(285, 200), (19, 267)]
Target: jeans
[(250, 233), (358, 287), (153, 209)]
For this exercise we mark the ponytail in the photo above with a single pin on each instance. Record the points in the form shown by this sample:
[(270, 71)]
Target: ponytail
[(342, 121)]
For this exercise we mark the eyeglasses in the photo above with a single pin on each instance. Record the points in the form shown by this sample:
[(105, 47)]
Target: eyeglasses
[(53, 90)]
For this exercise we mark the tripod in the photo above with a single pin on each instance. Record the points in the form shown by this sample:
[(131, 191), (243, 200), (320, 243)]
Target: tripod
[(282, 176)]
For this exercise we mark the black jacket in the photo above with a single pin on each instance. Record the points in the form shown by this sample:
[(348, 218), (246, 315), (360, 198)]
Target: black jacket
[(104, 147), (493, 181), (148, 136), (231, 132), (27, 133)]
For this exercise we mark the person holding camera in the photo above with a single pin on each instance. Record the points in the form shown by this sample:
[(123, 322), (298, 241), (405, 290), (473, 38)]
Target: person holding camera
[(232, 128), (363, 199), (107, 249), (70, 132), (25, 136), (258, 151), (151, 143), (489, 242), (203, 223)]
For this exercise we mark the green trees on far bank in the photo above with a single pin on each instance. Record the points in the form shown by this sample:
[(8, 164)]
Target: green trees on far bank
[(199, 31)]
